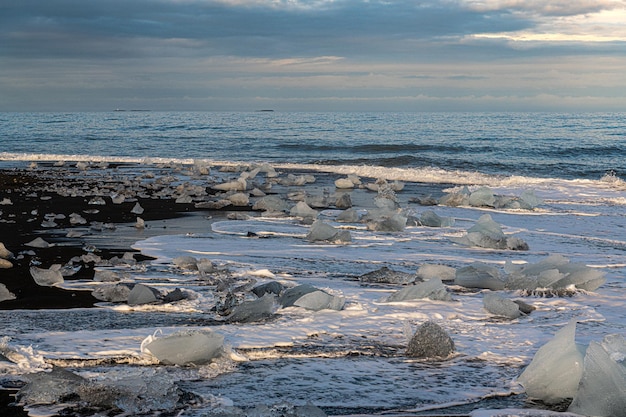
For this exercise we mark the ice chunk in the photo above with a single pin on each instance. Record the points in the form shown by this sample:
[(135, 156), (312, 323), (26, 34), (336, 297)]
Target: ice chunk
[(106, 275), (320, 300), (250, 311), (142, 294), (389, 222), (186, 262), (185, 347), (321, 231), (117, 293), (443, 272), (47, 277), (272, 287), (430, 341), (290, 295), (554, 272), (580, 276), (482, 197), (140, 223), (271, 203), (175, 295), (50, 387), (431, 219), (38, 243), (528, 200), (500, 306), (456, 198), (386, 203), (4, 252), (344, 183), (602, 389), (302, 209), (487, 233), (348, 216), (479, 275), (486, 226), (239, 184), (555, 370), (432, 289), (137, 209), (343, 201), (5, 294), (239, 199), (294, 297)]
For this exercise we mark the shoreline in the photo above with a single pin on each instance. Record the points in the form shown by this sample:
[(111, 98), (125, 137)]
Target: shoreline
[(43, 200)]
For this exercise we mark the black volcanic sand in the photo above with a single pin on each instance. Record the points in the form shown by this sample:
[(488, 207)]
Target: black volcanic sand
[(34, 193), (21, 221), (27, 195)]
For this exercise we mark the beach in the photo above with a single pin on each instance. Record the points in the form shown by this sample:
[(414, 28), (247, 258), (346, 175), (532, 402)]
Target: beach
[(382, 250)]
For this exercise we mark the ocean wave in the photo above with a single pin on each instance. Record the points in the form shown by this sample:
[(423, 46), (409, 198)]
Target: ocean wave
[(426, 174)]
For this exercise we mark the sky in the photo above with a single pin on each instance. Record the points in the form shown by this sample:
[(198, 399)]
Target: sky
[(317, 55)]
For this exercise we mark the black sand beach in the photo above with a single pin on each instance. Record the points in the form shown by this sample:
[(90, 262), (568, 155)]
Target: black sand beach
[(42, 201), (21, 222)]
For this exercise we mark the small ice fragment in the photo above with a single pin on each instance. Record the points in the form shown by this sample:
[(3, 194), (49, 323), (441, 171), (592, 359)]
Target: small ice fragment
[(4, 252), (321, 231), (302, 209), (239, 199), (115, 293), (38, 243), (50, 387), (479, 275), (140, 224), (320, 300), (348, 216), (5, 294), (76, 218), (185, 347), (344, 183), (500, 306), (431, 219), (137, 209), (186, 262), (482, 197), (432, 289), (251, 311), (47, 277), (389, 222), (443, 272), (142, 294), (272, 287)]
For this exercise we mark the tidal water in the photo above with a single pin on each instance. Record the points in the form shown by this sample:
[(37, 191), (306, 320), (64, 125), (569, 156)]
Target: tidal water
[(570, 146), (351, 361)]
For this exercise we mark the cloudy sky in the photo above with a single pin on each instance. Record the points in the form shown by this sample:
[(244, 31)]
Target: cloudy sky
[(313, 55)]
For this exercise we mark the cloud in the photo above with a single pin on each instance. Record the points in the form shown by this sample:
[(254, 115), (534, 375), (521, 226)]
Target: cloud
[(232, 53), (545, 8)]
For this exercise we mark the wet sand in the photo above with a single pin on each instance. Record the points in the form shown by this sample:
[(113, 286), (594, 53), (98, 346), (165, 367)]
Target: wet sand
[(21, 222), (30, 197)]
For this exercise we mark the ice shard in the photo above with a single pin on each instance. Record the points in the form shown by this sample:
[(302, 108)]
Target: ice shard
[(185, 347), (555, 370)]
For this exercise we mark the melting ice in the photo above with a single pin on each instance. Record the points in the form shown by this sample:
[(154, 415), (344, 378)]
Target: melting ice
[(341, 344)]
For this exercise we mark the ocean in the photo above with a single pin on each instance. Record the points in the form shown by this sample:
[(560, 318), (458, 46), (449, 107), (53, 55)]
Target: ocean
[(349, 361)]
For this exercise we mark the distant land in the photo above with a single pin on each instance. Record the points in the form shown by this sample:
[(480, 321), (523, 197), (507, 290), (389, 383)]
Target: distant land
[(131, 110)]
